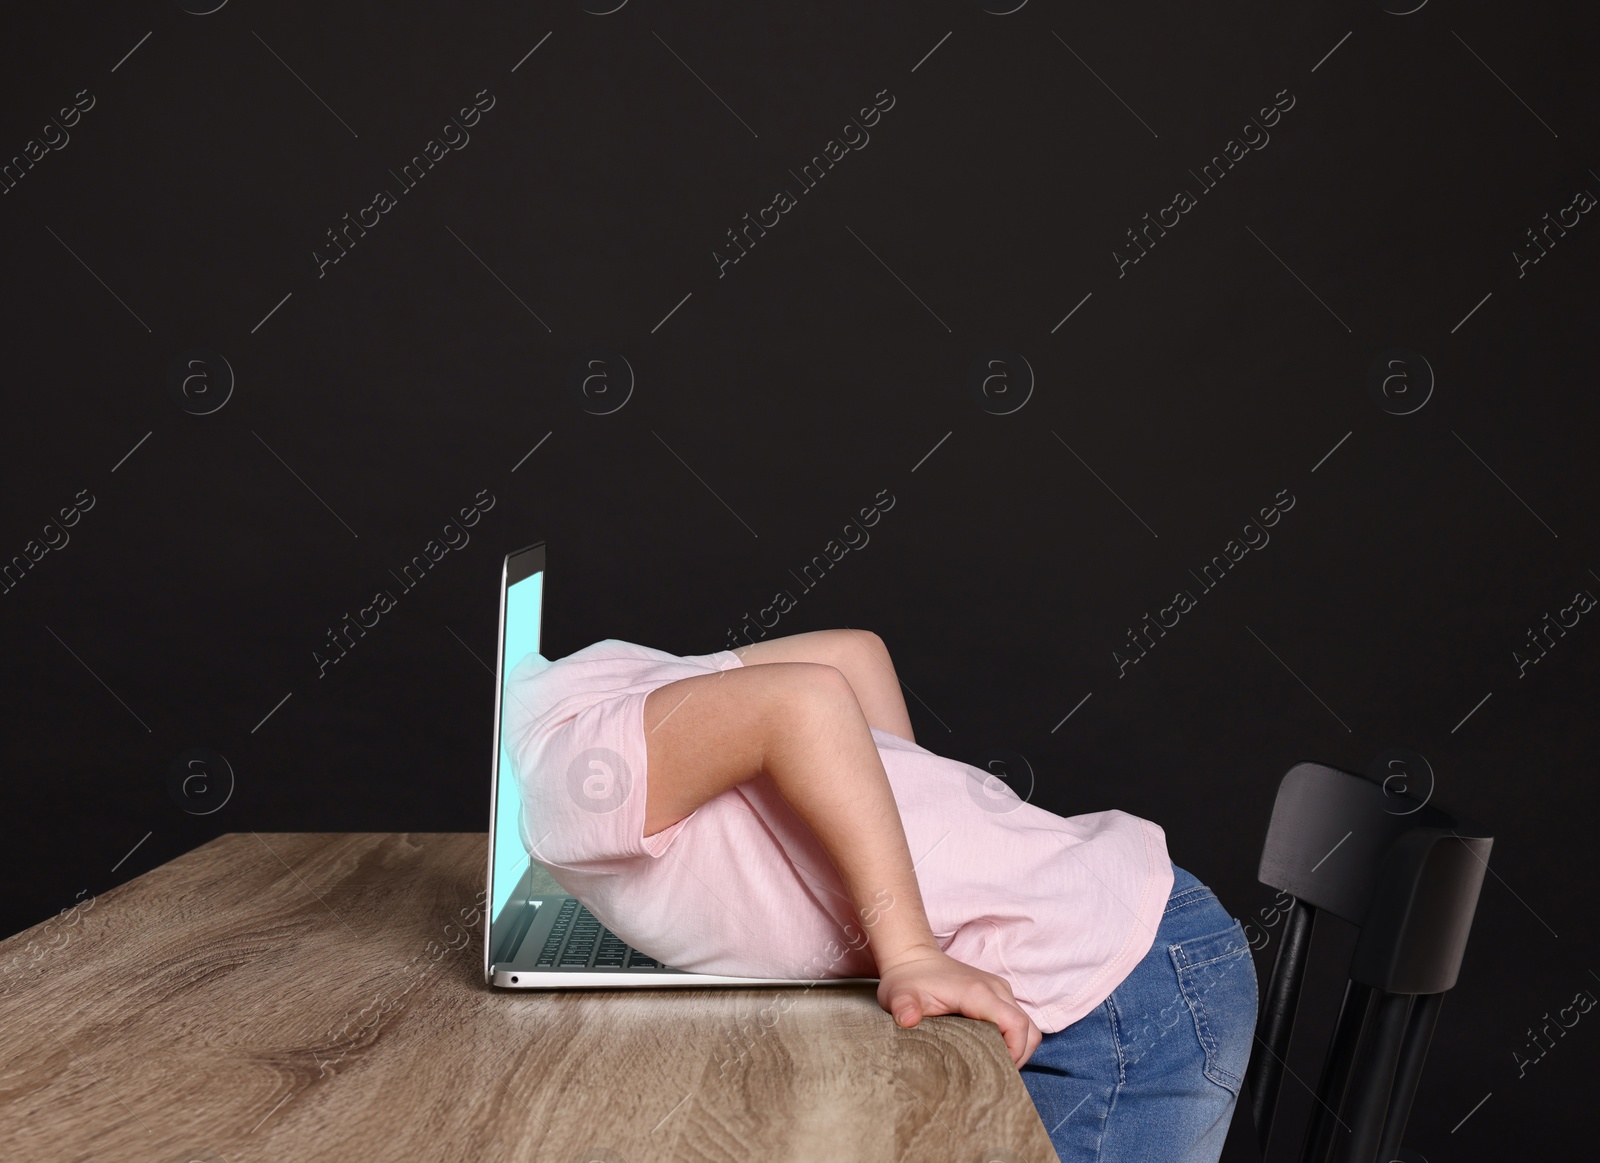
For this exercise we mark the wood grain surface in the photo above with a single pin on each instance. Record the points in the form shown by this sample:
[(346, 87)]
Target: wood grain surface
[(289, 996)]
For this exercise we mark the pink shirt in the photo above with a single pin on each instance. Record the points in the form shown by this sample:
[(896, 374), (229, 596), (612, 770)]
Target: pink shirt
[(1062, 908)]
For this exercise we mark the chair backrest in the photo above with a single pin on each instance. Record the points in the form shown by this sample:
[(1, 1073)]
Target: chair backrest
[(1329, 832), (1407, 874), (1415, 930)]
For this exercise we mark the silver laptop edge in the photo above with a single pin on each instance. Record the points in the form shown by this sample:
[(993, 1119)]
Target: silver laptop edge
[(534, 912)]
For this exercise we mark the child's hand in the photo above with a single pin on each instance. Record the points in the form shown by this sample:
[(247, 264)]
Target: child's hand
[(929, 982)]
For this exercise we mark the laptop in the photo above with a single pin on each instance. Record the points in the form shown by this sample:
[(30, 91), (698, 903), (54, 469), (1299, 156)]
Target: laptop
[(539, 936)]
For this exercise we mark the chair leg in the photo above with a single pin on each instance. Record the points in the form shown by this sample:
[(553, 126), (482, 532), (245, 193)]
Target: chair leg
[(1413, 1052), (1373, 1077), (1336, 1072), (1265, 1072)]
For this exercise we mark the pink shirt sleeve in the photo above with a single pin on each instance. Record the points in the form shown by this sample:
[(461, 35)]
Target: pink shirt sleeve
[(582, 764)]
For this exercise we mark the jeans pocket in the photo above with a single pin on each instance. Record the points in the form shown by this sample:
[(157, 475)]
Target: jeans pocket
[(1217, 977)]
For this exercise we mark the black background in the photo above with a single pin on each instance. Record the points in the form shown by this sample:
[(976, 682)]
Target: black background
[(1388, 210)]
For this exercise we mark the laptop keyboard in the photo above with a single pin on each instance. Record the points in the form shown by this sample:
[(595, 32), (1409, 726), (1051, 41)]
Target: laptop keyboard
[(580, 941)]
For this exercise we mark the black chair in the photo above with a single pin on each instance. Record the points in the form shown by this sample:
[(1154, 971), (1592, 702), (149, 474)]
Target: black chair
[(1407, 874)]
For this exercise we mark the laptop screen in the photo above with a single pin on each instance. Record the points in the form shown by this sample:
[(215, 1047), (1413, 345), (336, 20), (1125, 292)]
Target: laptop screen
[(519, 636)]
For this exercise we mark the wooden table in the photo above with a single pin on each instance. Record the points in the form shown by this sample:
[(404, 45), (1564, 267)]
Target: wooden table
[(290, 996)]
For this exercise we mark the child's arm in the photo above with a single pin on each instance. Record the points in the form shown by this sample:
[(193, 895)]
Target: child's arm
[(801, 724), (860, 655)]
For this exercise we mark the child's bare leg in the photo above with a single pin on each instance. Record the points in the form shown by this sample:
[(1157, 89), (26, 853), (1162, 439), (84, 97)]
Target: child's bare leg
[(860, 655)]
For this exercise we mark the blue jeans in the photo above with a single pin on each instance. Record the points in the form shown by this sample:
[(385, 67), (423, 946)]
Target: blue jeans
[(1153, 1073)]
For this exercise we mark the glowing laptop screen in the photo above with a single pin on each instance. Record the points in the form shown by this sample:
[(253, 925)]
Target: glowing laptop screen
[(523, 600)]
